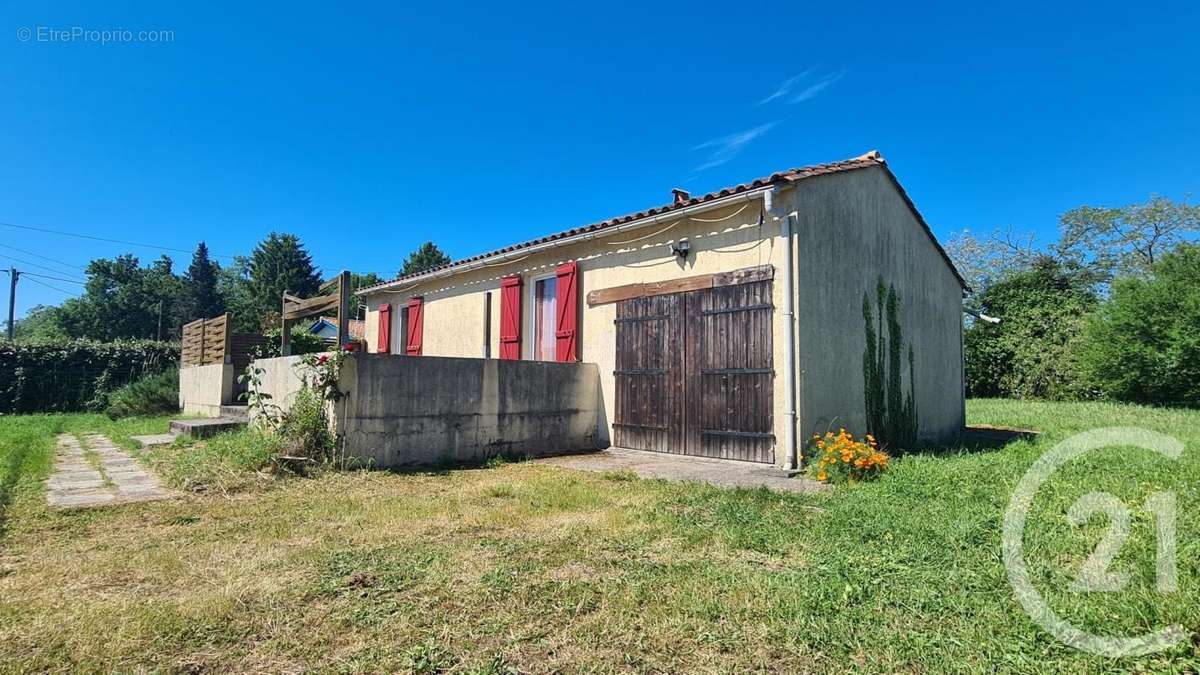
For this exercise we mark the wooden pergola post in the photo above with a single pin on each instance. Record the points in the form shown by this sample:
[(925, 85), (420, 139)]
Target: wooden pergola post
[(343, 313), (285, 337), (294, 308)]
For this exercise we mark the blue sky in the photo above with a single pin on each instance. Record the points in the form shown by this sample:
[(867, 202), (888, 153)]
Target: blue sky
[(368, 129)]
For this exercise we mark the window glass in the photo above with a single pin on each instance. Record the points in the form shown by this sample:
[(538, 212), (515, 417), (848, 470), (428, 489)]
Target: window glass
[(544, 294), (400, 329)]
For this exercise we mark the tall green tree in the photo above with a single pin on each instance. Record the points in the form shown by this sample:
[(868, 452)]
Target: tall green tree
[(40, 323), (1143, 345), (124, 300), (200, 297), (1030, 353), (983, 261), (358, 281), (280, 263), (1126, 240), (233, 285), (427, 257)]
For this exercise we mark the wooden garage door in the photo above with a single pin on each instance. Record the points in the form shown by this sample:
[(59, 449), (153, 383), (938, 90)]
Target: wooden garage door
[(694, 373)]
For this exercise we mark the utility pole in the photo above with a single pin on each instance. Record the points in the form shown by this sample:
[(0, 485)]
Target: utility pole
[(12, 298), (160, 303)]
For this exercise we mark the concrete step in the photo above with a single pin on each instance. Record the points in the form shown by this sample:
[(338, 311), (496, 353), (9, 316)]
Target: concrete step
[(207, 427), (155, 439), (234, 411)]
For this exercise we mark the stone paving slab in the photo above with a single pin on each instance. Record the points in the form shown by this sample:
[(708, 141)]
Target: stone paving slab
[(723, 472), (155, 439), (76, 483)]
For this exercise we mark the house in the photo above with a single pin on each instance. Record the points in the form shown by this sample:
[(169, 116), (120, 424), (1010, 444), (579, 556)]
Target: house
[(728, 325), (325, 327)]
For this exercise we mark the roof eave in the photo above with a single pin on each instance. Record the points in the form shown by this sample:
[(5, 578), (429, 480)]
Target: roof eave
[(652, 215)]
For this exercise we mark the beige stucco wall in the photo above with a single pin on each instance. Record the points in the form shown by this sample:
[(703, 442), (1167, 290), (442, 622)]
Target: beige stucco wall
[(204, 389), (854, 228), (454, 307), (855, 218)]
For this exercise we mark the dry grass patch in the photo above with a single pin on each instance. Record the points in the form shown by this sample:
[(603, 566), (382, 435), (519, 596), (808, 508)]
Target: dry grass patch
[(366, 568), (542, 569)]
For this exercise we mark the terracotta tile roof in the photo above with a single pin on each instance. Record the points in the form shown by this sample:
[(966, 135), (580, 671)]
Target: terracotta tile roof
[(868, 159)]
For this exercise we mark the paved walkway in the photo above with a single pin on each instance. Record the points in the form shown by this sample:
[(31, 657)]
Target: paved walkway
[(724, 472), (77, 482)]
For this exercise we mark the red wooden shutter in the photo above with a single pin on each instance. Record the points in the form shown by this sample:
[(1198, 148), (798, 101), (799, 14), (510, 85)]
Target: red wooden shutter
[(416, 320), (383, 346), (566, 324), (510, 318)]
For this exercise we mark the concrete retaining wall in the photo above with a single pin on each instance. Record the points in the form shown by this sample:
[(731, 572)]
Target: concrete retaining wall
[(403, 411), (281, 379), (204, 389), (408, 411)]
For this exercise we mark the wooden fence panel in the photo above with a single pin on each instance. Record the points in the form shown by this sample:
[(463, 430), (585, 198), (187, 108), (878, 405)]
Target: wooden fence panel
[(205, 341)]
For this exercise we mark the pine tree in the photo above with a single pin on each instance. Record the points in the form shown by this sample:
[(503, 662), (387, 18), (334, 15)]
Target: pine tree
[(200, 297), (427, 257), (279, 263)]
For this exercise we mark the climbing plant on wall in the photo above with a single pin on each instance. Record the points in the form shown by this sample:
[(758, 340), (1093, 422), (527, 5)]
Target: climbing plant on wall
[(891, 413)]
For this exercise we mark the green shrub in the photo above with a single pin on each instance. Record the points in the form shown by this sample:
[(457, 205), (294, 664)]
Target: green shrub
[(224, 463), (155, 394), (75, 375), (1143, 345), (303, 438), (302, 342), (1031, 352)]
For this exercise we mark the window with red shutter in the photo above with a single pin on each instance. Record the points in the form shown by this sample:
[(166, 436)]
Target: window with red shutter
[(510, 318), (567, 319), (416, 321), (384, 338)]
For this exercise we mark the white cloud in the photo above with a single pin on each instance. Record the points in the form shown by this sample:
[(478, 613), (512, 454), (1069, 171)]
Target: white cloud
[(726, 148), (786, 86), (816, 88)]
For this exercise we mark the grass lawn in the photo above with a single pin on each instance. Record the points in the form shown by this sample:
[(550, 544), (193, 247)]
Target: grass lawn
[(534, 568)]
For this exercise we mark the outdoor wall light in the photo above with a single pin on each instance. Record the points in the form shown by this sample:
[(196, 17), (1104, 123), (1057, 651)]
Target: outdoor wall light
[(681, 248)]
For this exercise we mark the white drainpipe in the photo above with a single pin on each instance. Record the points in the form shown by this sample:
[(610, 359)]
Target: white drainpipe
[(789, 331)]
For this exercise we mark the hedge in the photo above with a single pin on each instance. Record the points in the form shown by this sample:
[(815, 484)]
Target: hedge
[(75, 375)]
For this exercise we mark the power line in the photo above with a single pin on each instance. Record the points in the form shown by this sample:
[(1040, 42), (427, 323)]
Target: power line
[(42, 257), (28, 262), (112, 241), (47, 276), (55, 288)]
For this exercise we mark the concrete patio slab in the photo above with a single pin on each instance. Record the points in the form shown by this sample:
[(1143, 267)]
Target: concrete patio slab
[(722, 472)]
